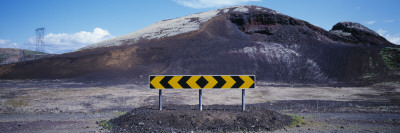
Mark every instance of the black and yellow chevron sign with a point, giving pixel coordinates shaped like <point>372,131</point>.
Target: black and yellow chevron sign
<point>201,81</point>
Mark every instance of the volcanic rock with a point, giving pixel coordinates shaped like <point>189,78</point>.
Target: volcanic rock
<point>214,118</point>
<point>358,34</point>
<point>234,40</point>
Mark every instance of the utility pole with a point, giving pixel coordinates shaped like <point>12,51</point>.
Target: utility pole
<point>39,39</point>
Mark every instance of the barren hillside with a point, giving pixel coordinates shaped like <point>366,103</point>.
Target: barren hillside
<point>233,40</point>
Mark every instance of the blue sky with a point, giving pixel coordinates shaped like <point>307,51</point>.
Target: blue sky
<point>72,24</point>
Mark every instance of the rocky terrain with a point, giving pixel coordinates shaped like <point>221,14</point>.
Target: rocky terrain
<point>71,106</point>
<point>216,118</point>
<point>233,40</point>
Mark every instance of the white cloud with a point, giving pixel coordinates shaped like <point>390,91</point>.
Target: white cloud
<point>389,21</point>
<point>370,22</point>
<point>7,44</point>
<point>210,3</point>
<point>381,32</point>
<point>63,42</point>
<point>391,38</point>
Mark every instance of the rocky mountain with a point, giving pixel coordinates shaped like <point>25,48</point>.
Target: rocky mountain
<point>233,40</point>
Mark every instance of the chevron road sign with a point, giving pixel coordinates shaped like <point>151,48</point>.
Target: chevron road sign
<point>201,82</point>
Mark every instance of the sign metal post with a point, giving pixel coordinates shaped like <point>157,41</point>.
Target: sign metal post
<point>243,101</point>
<point>160,99</point>
<point>200,100</point>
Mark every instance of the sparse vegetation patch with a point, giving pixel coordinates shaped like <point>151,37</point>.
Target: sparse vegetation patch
<point>105,124</point>
<point>391,57</point>
<point>296,120</point>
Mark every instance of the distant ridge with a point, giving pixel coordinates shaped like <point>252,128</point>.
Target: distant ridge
<point>12,55</point>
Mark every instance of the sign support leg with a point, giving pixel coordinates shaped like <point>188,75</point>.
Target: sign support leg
<point>160,99</point>
<point>243,100</point>
<point>200,100</point>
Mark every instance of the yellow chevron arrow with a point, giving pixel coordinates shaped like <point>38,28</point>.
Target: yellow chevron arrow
<point>229,82</point>
<point>192,82</point>
<point>247,82</point>
<point>174,82</point>
<point>211,82</point>
<point>156,82</point>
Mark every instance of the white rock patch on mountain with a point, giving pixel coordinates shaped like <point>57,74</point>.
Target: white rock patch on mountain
<point>169,28</point>
<point>166,28</point>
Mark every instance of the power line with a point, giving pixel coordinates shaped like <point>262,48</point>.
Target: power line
<point>39,39</point>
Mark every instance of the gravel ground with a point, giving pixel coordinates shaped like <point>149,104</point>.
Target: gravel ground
<point>339,116</point>
<point>70,106</point>
<point>346,122</point>
<point>51,123</point>
<point>186,118</point>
